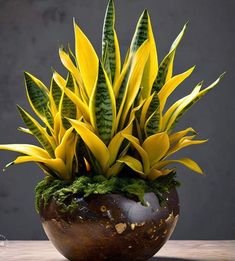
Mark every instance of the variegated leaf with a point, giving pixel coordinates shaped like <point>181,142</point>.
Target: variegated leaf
<point>196,99</point>
<point>141,32</point>
<point>106,62</point>
<point>122,89</point>
<point>26,149</point>
<point>87,59</point>
<point>152,124</point>
<point>189,163</point>
<point>153,106</point>
<point>167,63</point>
<point>37,130</point>
<point>177,107</point>
<point>56,93</point>
<point>110,46</point>
<point>37,94</point>
<point>143,154</point>
<point>133,163</point>
<point>94,143</point>
<point>133,85</point>
<point>102,107</point>
<point>70,82</point>
<point>49,117</point>
<point>68,108</point>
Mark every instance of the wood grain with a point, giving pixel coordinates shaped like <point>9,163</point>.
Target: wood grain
<point>172,251</point>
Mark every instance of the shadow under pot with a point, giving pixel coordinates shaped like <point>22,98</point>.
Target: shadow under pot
<point>111,227</point>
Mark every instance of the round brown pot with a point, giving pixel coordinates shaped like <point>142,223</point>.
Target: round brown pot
<point>111,227</point>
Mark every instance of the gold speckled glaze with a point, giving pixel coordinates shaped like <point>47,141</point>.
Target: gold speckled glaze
<point>111,227</point>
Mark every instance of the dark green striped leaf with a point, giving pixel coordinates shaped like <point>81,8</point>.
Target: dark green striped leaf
<point>70,82</point>
<point>162,72</point>
<point>106,62</point>
<point>56,93</point>
<point>49,116</point>
<point>108,39</point>
<point>196,99</point>
<point>122,89</point>
<point>102,107</point>
<point>153,106</point>
<point>68,108</point>
<point>37,94</point>
<point>152,124</point>
<point>152,116</point>
<point>37,130</point>
<point>167,63</point>
<point>141,32</point>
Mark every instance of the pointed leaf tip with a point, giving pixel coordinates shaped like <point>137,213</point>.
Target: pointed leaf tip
<point>222,75</point>
<point>145,13</point>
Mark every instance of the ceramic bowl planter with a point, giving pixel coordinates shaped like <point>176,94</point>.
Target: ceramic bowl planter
<point>111,227</point>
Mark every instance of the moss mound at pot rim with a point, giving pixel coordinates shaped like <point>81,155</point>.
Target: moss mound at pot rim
<point>84,186</point>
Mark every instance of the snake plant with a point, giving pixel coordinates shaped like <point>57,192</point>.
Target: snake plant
<point>108,117</point>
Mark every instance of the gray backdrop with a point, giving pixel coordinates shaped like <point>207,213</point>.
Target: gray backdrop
<point>31,32</point>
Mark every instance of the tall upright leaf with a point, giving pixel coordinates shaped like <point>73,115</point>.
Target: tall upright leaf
<point>141,32</point>
<point>171,85</point>
<point>87,59</point>
<point>106,61</point>
<point>152,124</point>
<point>37,94</point>
<point>103,108</point>
<point>167,62</point>
<point>110,46</point>
<point>152,116</point>
<point>133,85</point>
<point>70,66</point>
<point>55,92</point>
<point>93,142</point>
<point>151,67</point>
<point>68,108</point>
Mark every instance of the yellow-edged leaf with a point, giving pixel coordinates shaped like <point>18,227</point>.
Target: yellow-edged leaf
<point>61,82</point>
<point>175,110</point>
<point>151,67</point>
<point>133,163</point>
<point>103,107</point>
<point>143,154</point>
<point>189,163</point>
<point>56,165</point>
<point>133,85</point>
<point>37,94</point>
<point>81,106</point>
<point>184,142</point>
<point>86,58</point>
<point>93,142</point>
<point>118,57</point>
<point>116,142</point>
<point>156,146</point>
<point>60,151</point>
<point>175,137</point>
<point>155,173</point>
<point>144,110</point>
<point>69,65</point>
<point>26,149</point>
<point>38,131</point>
<point>115,169</point>
<point>171,85</point>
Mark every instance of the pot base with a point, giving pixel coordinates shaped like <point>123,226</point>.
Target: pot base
<point>111,227</point>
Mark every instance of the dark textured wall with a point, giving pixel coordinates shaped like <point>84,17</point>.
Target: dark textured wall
<point>31,32</point>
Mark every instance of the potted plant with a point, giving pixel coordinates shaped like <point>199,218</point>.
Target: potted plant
<point>106,143</point>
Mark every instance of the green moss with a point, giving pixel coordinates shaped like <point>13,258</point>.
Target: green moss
<point>84,186</point>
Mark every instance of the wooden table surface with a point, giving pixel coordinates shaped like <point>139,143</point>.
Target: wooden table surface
<point>172,251</point>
